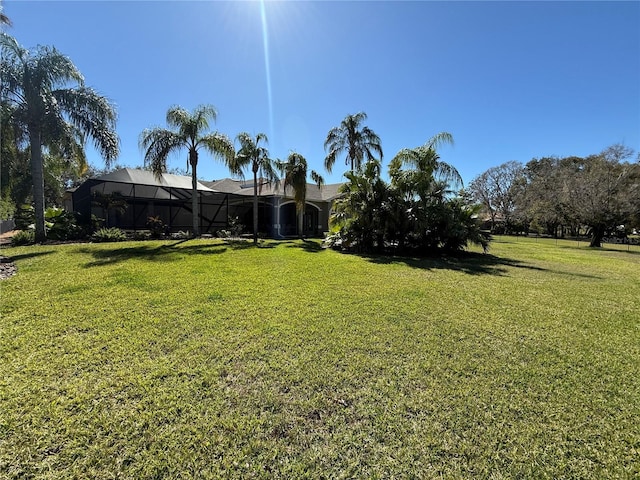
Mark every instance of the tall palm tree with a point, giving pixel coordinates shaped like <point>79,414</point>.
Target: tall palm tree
<point>295,171</point>
<point>358,142</point>
<point>425,168</point>
<point>251,154</point>
<point>189,130</point>
<point>35,93</point>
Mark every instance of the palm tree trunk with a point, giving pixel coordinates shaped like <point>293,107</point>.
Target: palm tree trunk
<point>255,207</point>
<point>300,221</point>
<point>37,175</point>
<point>194,200</point>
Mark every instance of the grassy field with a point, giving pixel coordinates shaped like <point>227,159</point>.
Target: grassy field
<point>199,359</point>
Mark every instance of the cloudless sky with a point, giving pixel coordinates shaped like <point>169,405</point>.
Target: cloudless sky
<point>509,80</point>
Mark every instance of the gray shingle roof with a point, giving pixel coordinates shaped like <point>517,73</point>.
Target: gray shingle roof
<point>245,187</point>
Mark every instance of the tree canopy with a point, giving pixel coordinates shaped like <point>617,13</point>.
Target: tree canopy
<point>599,193</point>
<point>354,140</point>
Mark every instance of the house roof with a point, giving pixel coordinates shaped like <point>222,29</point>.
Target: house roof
<point>145,177</point>
<point>242,187</point>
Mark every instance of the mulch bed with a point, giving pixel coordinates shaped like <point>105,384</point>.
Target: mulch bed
<point>7,268</point>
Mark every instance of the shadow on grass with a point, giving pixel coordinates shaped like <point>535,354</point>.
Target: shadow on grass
<point>311,246</point>
<point>14,258</point>
<point>246,244</point>
<point>621,249</point>
<point>467,262</point>
<point>162,253</point>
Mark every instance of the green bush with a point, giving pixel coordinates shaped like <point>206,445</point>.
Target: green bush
<point>141,235</point>
<point>156,226</point>
<point>62,225</point>
<point>112,234</point>
<point>23,237</point>
<point>7,208</point>
<point>25,217</point>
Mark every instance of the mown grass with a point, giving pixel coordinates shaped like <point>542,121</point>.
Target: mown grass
<point>198,359</point>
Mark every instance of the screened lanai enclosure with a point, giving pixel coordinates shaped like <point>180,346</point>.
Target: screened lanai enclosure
<point>127,198</point>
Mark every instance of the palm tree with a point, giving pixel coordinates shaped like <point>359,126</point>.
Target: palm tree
<point>425,168</point>
<point>295,176</point>
<point>188,131</point>
<point>358,142</point>
<point>35,93</point>
<point>257,157</point>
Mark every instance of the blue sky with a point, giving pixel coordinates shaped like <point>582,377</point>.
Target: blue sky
<point>509,80</point>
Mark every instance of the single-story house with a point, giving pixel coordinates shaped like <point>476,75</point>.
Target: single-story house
<point>169,197</point>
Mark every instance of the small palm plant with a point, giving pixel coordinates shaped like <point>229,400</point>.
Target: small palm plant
<point>294,171</point>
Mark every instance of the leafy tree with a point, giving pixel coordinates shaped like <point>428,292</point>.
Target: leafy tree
<point>496,191</point>
<point>40,104</point>
<point>188,130</point>
<point>295,171</point>
<point>605,191</point>
<point>359,143</point>
<point>539,195</point>
<point>252,154</point>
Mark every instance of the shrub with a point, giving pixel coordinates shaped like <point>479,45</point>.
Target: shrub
<point>7,208</point>
<point>25,217</point>
<point>141,235</point>
<point>112,234</point>
<point>181,235</point>
<point>156,226</point>
<point>24,237</point>
<point>235,227</point>
<point>62,225</point>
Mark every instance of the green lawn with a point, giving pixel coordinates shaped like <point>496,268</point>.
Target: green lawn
<point>198,359</point>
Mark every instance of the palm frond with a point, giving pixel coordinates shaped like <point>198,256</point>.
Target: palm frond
<point>48,67</point>
<point>439,139</point>
<point>219,146</point>
<point>358,142</point>
<point>158,143</point>
<point>177,116</point>
<point>94,115</point>
<point>317,178</point>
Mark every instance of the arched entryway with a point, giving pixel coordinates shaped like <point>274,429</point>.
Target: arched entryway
<point>289,220</point>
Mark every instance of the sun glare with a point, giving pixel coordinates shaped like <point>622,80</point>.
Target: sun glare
<point>267,63</point>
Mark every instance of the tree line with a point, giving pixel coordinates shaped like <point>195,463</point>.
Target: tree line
<point>597,195</point>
